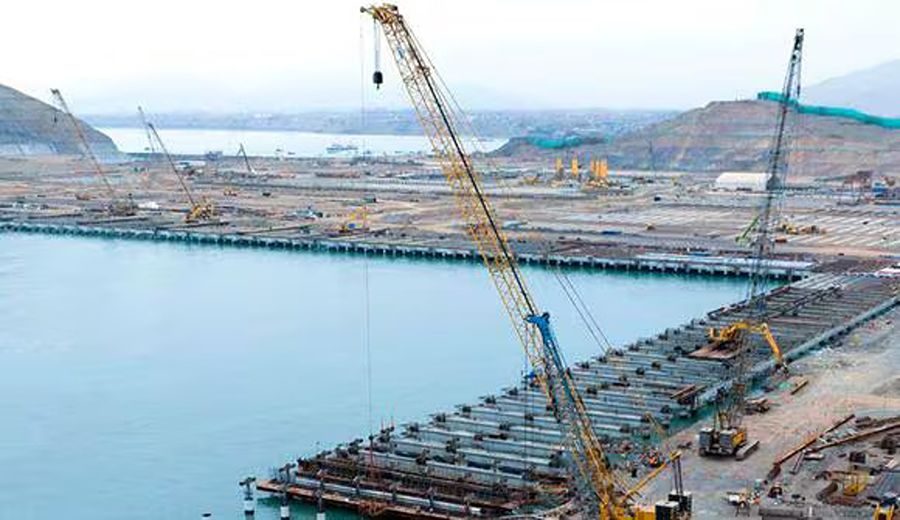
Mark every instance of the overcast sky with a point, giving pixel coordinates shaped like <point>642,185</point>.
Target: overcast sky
<point>299,55</point>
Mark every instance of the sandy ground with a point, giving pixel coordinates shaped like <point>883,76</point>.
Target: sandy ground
<point>407,201</point>
<point>861,376</point>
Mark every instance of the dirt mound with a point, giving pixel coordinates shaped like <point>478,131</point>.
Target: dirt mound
<point>736,136</point>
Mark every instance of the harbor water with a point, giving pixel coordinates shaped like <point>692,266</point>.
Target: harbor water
<point>265,143</point>
<point>143,380</point>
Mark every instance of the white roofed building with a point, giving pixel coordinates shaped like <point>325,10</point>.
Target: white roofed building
<point>741,181</point>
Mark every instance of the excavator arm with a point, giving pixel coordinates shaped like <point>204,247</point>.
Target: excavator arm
<point>731,334</point>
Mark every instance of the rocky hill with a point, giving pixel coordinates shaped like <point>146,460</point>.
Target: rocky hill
<point>30,127</point>
<point>736,136</point>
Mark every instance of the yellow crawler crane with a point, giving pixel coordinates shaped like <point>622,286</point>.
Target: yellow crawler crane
<point>727,436</point>
<point>116,207</point>
<point>599,492</point>
<point>201,210</point>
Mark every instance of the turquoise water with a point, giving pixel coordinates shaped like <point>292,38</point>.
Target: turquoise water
<point>143,380</point>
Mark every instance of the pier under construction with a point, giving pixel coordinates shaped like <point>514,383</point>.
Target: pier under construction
<point>503,454</point>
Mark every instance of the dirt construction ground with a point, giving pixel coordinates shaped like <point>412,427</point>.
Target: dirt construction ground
<point>861,376</point>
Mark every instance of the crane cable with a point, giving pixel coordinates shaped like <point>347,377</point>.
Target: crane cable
<point>583,311</point>
<point>367,343</point>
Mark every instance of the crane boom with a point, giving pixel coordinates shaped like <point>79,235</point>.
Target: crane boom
<point>116,207</point>
<point>243,153</point>
<point>165,151</point>
<point>763,243</point>
<point>597,486</point>
<point>727,436</point>
<point>200,209</point>
<point>82,139</point>
<point>146,125</point>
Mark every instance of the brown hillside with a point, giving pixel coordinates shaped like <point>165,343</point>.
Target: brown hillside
<point>736,136</point>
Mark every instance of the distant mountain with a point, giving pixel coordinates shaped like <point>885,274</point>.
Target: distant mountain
<point>875,90</point>
<point>29,126</point>
<point>487,123</point>
<point>736,136</point>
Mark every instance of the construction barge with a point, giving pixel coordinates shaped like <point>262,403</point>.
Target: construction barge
<point>503,455</point>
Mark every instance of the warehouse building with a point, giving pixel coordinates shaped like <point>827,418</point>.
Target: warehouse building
<point>741,181</point>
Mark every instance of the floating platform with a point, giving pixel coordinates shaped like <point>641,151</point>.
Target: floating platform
<point>503,455</point>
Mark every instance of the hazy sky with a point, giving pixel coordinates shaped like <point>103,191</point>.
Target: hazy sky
<point>304,55</point>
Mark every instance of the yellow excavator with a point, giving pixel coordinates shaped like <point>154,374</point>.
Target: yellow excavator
<point>599,492</point>
<point>790,228</point>
<point>730,334</point>
<point>887,507</point>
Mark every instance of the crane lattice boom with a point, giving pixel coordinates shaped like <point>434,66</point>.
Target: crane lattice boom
<point>116,207</point>
<point>598,487</point>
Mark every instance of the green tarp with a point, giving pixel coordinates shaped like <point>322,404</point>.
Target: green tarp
<point>554,143</point>
<point>847,113</point>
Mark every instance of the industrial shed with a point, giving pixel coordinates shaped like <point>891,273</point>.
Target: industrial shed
<point>741,181</point>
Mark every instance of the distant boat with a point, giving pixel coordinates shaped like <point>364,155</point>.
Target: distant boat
<point>338,148</point>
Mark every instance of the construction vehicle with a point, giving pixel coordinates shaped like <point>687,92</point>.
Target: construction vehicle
<point>201,210</point>
<point>116,206</point>
<point>151,146</point>
<point>531,180</point>
<point>599,174</point>
<point>243,154</point>
<point>727,436</point>
<point>887,507</point>
<point>230,190</point>
<point>598,491</point>
<point>730,335</point>
<point>790,228</point>
<point>356,222</point>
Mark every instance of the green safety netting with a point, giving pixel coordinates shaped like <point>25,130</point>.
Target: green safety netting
<point>554,143</point>
<point>847,113</point>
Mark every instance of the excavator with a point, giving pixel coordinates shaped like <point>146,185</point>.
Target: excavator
<point>230,190</point>
<point>201,210</point>
<point>730,334</point>
<point>116,206</point>
<point>598,491</point>
<point>727,436</point>
<point>887,507</point>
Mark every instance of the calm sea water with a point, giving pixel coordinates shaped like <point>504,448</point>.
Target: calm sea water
<point>268,143</point>
<point>143,380</point>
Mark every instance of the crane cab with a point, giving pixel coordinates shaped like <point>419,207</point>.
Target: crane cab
<point>677,507</point>
<point>724,442</point>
